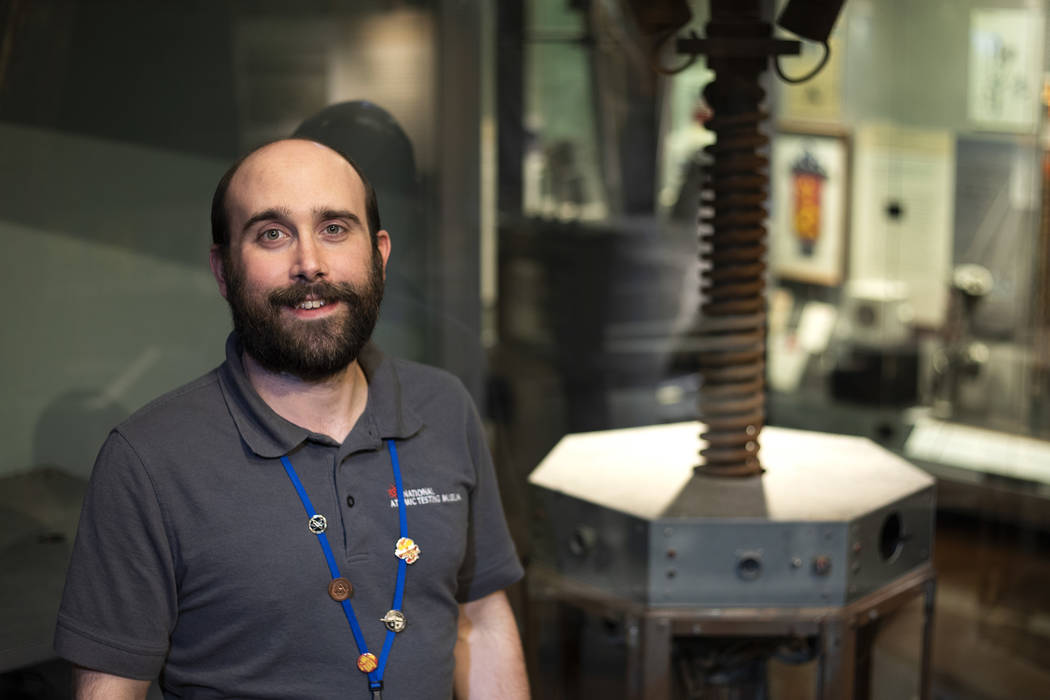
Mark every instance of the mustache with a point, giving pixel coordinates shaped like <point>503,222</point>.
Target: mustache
<point>327,292</point>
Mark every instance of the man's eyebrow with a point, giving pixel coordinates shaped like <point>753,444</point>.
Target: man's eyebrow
<point>268,214</point>
<point>338,214</point>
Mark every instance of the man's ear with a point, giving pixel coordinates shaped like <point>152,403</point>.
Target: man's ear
<point>383,243</point>
<point>218,268</point>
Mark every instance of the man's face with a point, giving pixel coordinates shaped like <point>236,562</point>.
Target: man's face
<point>301,275</point>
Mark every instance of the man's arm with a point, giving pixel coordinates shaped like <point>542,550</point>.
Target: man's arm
<point>489,659</point>
<point>95,685</point>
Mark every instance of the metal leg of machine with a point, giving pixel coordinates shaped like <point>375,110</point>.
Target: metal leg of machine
<point>843,669</point>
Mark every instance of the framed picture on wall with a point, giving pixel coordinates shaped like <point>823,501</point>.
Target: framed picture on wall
<point>809,175</point>
<point>903,210</point>
<point>1005,73</point>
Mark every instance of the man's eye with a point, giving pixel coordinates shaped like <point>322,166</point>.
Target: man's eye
<point>271,234</point>
<point>333,229</point>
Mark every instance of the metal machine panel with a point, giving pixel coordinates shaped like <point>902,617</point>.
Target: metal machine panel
<point>723,562</point>
<point>832,518</point>
<point>890,541</point>
<point>597,546</point>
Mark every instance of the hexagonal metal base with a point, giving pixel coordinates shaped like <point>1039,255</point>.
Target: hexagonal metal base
<point>832,518</point>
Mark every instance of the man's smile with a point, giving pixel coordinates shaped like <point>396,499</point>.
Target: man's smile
<point>313,308</point>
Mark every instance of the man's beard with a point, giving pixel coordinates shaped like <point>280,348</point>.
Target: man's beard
<point>310,350</point>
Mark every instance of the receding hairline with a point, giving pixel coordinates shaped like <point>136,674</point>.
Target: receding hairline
<point>257,152</point>
<point>220,199</point>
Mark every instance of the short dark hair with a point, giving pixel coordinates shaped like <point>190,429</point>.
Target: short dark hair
<point>220,223</point>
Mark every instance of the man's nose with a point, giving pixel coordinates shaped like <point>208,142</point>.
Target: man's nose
<point>309,261</point>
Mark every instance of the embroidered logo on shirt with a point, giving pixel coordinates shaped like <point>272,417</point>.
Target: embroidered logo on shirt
<point>423,496</point>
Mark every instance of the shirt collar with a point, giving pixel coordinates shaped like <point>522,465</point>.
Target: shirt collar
<point>269,435</point>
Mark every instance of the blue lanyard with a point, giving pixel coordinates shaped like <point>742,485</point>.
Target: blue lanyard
<point>375,678</point>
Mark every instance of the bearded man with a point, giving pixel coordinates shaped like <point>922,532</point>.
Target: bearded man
<point>312,519</point>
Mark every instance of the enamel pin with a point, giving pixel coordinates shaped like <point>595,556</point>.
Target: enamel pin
<point>394,620</point>
<point>318,524</point>
<point>407,549</point>
<point>367,662</point>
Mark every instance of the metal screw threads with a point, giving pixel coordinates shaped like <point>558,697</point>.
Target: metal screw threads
<point>732,235</point>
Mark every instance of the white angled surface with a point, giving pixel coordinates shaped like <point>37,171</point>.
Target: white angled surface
<point>648,472</point>
<point>980,450</point>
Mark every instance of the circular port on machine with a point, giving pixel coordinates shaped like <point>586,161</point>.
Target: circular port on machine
<point>749,566</point>
<point>891,538</point>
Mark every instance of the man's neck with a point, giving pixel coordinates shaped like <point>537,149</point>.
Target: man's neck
<point>330,407</point>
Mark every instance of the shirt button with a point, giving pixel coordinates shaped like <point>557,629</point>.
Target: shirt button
<point>350,500</point>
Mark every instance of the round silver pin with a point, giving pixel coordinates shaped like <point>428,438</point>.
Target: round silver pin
<point>394,620</point>
<point>318,524</point>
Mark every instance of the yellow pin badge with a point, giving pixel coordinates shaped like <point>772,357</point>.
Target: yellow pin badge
<point>367,662</point>
<point>406,549</point>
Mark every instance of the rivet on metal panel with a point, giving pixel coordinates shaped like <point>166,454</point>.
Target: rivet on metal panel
<point>697,629</point>
<point>856,567</point>
<point>668,531</point>
<point>828,535</point>
<point>796,562</point>
<point>671,573</point>
<point>671,553</point>
<point>873,615</point>
<point>857,546</point>
<point>822,565</point>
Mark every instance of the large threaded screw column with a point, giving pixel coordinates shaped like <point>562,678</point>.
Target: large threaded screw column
<point>732,235</point>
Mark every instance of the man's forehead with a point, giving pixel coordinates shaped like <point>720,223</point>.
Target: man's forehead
<point>294,167</point>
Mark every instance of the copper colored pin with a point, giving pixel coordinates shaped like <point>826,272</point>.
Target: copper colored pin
<point>367,662</point>
<point>340,589</point>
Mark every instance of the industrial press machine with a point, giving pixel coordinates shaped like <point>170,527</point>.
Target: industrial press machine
<point>715,563</point>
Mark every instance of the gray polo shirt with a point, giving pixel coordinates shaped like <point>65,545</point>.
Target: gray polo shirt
<point>194,560</point>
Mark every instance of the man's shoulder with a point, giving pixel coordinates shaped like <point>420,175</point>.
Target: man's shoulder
<point>198,401</point>
<point>415,391</point>
<point>425,377</point>
<point>425,384</point>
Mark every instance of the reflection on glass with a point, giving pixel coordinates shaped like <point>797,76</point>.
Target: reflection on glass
<point>923,327</point>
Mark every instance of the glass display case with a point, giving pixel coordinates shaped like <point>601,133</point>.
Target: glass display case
<point>906,277</point>
<point>540,166</point>
<point>117,120</point>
